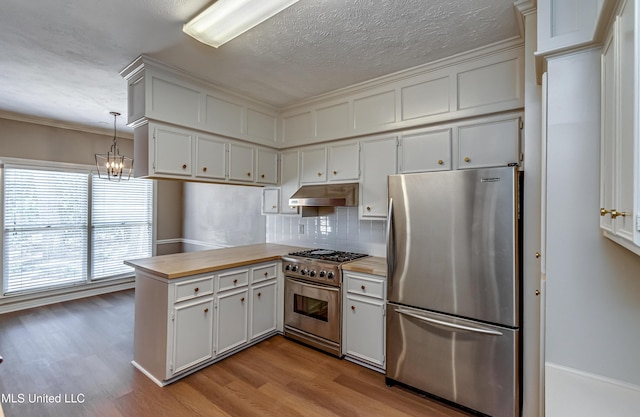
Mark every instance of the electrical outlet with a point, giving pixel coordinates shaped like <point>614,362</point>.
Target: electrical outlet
<point>301,229</point>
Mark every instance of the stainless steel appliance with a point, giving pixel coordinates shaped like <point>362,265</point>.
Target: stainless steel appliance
<point>313,297</point>
<point>453,311</point>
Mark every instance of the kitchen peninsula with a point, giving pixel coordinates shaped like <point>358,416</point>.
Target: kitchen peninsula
<point>192,309</point>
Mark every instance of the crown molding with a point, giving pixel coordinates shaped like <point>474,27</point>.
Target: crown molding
<point>61,125</point>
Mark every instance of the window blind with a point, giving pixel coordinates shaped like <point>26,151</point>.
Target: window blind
<point>121,220</point>
<point>45,228</point>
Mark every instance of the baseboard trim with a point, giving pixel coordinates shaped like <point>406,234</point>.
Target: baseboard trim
<point>69,294</point>
<point>572,392</point>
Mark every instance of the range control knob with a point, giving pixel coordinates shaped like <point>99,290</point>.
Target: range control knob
<point>294,268</point>
<point>323,274</point>
<point>304,271</point>
<point>331,275</point>
<point>312,273</point>
<point>287,267</point>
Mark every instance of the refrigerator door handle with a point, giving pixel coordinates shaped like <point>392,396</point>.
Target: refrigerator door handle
<point>445,324</point>
<point>390,243</point>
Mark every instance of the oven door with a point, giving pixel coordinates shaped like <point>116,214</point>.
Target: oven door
<point>312,308</point>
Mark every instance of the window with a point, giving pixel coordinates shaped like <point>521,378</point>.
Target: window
<point>65,227</point>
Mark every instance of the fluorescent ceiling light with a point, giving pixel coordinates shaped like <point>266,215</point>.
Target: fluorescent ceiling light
<point>226,19</point>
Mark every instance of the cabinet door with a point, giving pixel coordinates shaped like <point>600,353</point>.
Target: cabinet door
<point>425,151</point>
<point>241,160</point>
<point>608,139</point>
<point>263,309</point>
<point>211,158</point>
<point>172,151</point>
<point>488,143</point>
<point>378,162</point>
<point>192,334</point>
<point>231,321</point>
<point>267,166</point>
<point>365,329</point>
<point>344,162</point>
<point>270,200</point>
<point>288,180</point>
<point>313,163</point>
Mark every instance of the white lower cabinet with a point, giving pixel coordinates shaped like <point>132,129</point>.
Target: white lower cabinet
<point>193,333</point>
<point>231,320</point>
<point>364,320</point>
<point>184,324</point>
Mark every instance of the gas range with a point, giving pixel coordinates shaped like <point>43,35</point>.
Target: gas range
<point>318,265</point>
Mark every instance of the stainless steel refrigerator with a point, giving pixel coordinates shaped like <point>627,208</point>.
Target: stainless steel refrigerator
<point>453,311</point>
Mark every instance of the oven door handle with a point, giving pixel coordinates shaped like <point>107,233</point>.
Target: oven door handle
<point>317,287</point>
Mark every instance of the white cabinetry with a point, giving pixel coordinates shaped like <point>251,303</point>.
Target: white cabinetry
<point>488,142</point>
<point>339,162</point>
<point>425,150</point>
<point>620,160</point>
<point>289,162</point>
<point>378,162</point>
<point>266,166</point>
<point>241,161</point>
<point>270,200</point>
<point>364,319</point>
<point>211,158</point>
<point>172,151</point>
<point>313,165</point>
<point>184,324</point>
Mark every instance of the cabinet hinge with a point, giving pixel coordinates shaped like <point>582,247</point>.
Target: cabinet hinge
<point>521,124</point>
<point>170,366</point>
<point>215,303</point>
<point>172,315</point>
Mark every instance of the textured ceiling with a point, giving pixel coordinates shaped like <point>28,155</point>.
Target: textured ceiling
<point>61,59</point>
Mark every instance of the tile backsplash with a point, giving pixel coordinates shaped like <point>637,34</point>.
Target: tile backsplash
<point>341,230</point>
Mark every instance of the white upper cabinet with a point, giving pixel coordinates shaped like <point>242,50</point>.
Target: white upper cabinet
<point>344,162</point>
<point>289,162</point>
<point>171,151</point>
<point>313,165</point>
<point>211,158</point>
<point>620,106</point>
<point>425,150</point>
<point>378,162</point>
<point>487,142</point>
<point>266,166</point>
<point>241,162</point>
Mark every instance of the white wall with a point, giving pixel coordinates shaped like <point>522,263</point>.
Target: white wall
<point>218,215</point>
<point>593,285</point>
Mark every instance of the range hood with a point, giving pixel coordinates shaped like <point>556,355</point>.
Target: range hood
<point>316,200</point>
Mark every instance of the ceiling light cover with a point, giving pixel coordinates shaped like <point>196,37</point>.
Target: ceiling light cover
<point>112,166</point>
<point>226,19</point>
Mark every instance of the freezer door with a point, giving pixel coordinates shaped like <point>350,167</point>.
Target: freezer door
<point>469,363</point>
<point>453,243</point>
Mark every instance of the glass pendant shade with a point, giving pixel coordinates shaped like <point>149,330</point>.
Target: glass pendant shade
<point>112,166</point>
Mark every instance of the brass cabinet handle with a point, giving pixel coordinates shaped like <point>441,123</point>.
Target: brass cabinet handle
<point>196,289</point>
<point>615,213</point>
<point>235,281</point>
<point>362,286</point>
<point>538,255</point>
<point>184,166</point>
<point>266,274</point>
<point>242,300</point>
<point>319,174</point>
<point>353,308</point>
<point>368,208</point>
<point>204,169</point>
<point>467,159</point>
<point>335,172</point>
<point>206,310</point>
<point>604,212</point>
<point>248,174</point>
<point>259,294</point>
<point>440,162</point>
<point>273,207</point>
<point>262,176</point>
<point>537,292</point>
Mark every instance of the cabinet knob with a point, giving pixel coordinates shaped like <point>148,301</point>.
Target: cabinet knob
<point>615,213</point>
<point>538,255</point>
<point>467,159</point>
<point>335,172</point>
<point>261,175</point>
<point>196,289</point>
<point>273,207</point>
<point>266,274</point>
<point>537,292</point>
<point>204,169</point>
<point>206,310</point>
<point>440,162</point>
<point>353,308</point>
<point>604,211</point>
<point>235,281</point>
<point>242,300</point>
<point>368,208</point>
<point>184,166</point>
<point>259,294</point>
<point>248,174</point>
<point>319,174</point>
<point>362,286</point>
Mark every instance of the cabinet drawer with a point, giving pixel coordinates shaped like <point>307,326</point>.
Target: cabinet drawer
<point>264,272</point>
<point>233,279</point>
<point>371,287</point>
<point>193,288</point>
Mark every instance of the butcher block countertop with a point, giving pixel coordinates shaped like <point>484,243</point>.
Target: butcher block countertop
<point>373,265</point>
<point>180,265</point>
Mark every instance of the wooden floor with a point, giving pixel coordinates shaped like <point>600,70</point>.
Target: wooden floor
<point>73,359</point>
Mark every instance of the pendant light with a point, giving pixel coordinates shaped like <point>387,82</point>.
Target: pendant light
<point>112,166</point>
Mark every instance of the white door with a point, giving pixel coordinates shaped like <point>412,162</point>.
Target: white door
<point>267,166</point>
<point>231,321</point>
<point>211,157</point>
<point>241,159</point>
<point>172,151</point>
<point>192,334</point>
<point>263,309</point>
<point>378,162</point>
